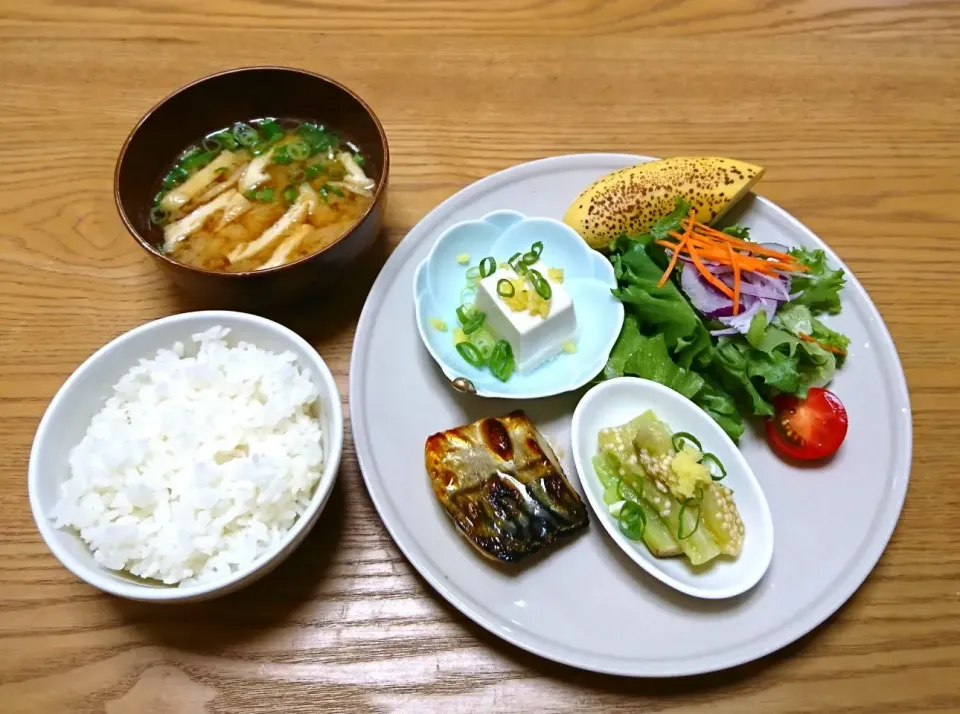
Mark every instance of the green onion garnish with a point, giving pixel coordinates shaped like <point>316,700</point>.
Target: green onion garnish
<point>529,258</point>
<point>505,288</point>
<point>465,314</point>
<point>270,129</point>
<point>474,324</point>
<point>190,152</point>
<point>632,521</point>
<point>282,156</point>
<point>226,139</point>
<point>245,134</point>
<point>334,190</point>
<point>537,248</point>
<point>473,273</point>
<point>683,507</point>
<point>174,177</point>
<point>158,215</point>
<point>714,460</point>
<point>516,262</point>
<point>290,194</point>
<point>314,170</point>
<point>264,195</point>
<point>211,143</point>
<point>678,439</point>
<point>298,150</point>
<point>470,353</point>
<point>484,342</point>
<point>317,138</point>
<point>197,161</point>
<point>487,266</point>
<point>501,360</point>
<point>359,159</point>
<point>540,285</point>
<point>468,295</point>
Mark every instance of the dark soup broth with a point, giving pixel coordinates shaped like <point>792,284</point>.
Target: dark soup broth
<point>260,194</point>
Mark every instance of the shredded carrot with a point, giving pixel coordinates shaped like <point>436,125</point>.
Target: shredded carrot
<point>824,345</point>
<point>701,242</point>
<point>756,265</point>
<point>753,247</point>
<point>719,239</point>
<point>710,277</point>
<point>736,279</point>
<point>680,247</point>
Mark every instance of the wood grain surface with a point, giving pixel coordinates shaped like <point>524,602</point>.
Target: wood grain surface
<point>854,108</point>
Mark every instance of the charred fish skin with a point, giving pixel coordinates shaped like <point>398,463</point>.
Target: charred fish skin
<point>503,487</point>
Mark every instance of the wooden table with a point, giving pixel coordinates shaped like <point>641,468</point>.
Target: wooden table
<point>854,108</point>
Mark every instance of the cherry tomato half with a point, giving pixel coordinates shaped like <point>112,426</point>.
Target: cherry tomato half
<point>806,429</point>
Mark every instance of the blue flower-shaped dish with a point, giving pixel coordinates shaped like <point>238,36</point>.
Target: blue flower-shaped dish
<point>588,278</point>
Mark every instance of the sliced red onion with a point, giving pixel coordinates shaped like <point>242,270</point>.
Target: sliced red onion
<point>741,322</point>
<point>706,298</point>
<point>763,286</point>
<point>770,307</point>
<point>725,331</point>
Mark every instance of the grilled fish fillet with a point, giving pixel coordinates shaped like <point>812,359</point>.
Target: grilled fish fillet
<point>503,486</point>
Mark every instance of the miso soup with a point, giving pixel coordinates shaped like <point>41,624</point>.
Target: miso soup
<point>260,194</point>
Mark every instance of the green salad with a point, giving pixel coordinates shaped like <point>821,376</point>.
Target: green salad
<point>730,333</point>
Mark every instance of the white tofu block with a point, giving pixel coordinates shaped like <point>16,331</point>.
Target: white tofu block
<point>533,338</point>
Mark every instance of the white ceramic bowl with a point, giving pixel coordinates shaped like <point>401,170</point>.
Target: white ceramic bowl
<point>618,401</point>
<point>84,393</point>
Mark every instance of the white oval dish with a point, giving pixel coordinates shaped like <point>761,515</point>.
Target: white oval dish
<point>584,603</point>
<point>618,401</point>
<point>83,394</point>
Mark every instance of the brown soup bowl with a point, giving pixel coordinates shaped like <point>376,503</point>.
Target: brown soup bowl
<point>220,100</point>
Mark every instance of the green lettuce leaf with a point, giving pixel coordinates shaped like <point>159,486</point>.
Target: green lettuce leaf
<point>738,231</point>
<point>731,366</point>
<point>819,286</point>
<point>627,343</point>
<point>758,329</point>
<point>661,310</point>
<point>795,318</point>
<point>721,406</point>
<point>825,335</point>
<point>671,222</point>
<point>651,361</point>
<point>776,339</point>
<point>815,365</point>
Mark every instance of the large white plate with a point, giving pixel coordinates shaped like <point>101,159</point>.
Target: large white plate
<point>585,603</point>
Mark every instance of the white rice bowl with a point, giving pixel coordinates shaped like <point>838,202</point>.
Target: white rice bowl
<point>195,466</point>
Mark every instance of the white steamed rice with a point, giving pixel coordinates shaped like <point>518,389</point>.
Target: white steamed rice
<point>196,465</point>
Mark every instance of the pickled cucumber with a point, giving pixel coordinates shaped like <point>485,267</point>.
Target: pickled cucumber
<point>650,433</point>
<point>685,511</point>
<point>720,515</point>
<point>696,542</point>
<point>656,535</point>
